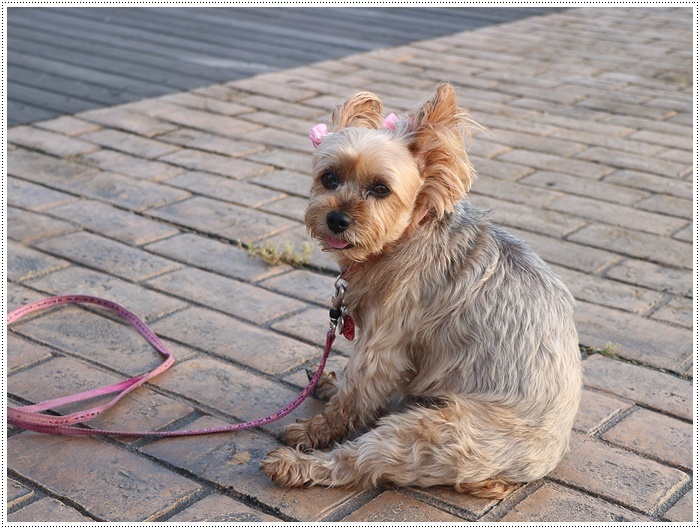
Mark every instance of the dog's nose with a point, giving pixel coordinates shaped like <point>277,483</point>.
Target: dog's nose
<point>338,221</point>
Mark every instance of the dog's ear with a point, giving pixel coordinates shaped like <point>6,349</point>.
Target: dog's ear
<point>438,132</point>
<point>361,110</point>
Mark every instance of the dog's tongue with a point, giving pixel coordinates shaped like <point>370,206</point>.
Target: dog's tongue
<point>337,243</point>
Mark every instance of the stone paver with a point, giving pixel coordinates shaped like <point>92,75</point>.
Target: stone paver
<point>155,204</point>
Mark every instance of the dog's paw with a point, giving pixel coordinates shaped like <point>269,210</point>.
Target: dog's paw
<point>327,385</point>
<point>283,466</point>
<point>308,434</point>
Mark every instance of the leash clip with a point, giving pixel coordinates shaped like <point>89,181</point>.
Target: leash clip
<point>338,312</point>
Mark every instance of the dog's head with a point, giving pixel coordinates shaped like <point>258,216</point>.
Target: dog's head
<point>376,177</point>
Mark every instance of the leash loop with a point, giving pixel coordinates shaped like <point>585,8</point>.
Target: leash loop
<point>31,418</point>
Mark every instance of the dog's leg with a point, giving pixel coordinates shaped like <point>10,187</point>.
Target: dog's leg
<point>421,447</point>
<point>328,384</point>
<point>370,377</point>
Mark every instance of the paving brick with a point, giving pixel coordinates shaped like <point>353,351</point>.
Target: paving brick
<point>227,295</point>
<point>633,243</point>
<point>532,142</point>
<point>514,192</point>
<point>658,277</point>
<point>678,311</point>
<point>111,222</point>
<point>233,222</point>
<point>482,148</point>
<point>652,434</point>
<point>126,192</point>
<point>395,506</point>
<point>287,181</point>
<point>129,143</point>
<point>529,218</point>
<point>108,256</point>
<point>277,121</point>
<point>597,408</point>
<point>335,364</point>
<point>44,169</point>
<point>201,101</point>
<point>303,284</point>
<point>590,127</point>
<point>667,140</point>
<point>233,461</point>
<point>279,89</point>
<point>583,187</point>
<point>209,122</point>
<point>236,168</point>
<point>108,482</point>
<point>228,338</point>
<point>68,125</point>
<point>682,511</point>
<point>47,510</point>
<point>17,296</point>
<point>226,189</point>
<point>17,493</point>
<point>632,162</point>
<point>147,304</point>
<point>653,183</point>
<point>279,107</point>
<point>466,505</point>
<point>685,234</point>
<point>653,389</point>
<point>609,293</point>
<point>673,206</point>
<point>497,168</point>
<point>31,196</point>
<point>204,141</point>
<point>283,159</point>
<point>224,259</point>
<point>617,215</point>
<point>77,332</point>
<point>617,475</point>
<point>553,503</point>
<point>125,118</point>
<point>234,391</point>
<point>297,141</point>
<point>549,162</point>
<point>290,207</point>
<point>637,338</point>
<point>24,263</point>
<point>678,156</point>
<point>132,166</point>
<point>221,509</point>
<point>609,142</point>
<point>49,142</point>
<point>28,227</point>
<point>615,107</point>
<point>22,353</point>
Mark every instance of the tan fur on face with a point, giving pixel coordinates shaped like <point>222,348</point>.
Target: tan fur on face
<point>456,317</point>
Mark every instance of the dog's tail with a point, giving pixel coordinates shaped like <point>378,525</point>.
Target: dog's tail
<point>492,489</point>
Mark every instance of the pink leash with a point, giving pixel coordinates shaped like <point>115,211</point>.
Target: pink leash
<point>30,418</point>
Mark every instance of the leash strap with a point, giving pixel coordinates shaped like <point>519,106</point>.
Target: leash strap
<point>31,418</point>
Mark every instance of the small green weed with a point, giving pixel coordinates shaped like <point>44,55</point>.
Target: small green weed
<point>273,254</point>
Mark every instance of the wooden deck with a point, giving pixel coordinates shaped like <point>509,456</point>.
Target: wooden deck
<point>66,60</point>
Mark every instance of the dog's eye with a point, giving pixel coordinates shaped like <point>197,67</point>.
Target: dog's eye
<point>380,190</point>
<point>330,180</point>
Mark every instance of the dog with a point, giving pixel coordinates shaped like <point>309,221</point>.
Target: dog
<point>457,318</point>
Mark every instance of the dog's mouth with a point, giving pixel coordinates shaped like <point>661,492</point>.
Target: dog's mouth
<point>338,244</point>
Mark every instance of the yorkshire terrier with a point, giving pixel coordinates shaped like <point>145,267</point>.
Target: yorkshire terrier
<point>456,317</point>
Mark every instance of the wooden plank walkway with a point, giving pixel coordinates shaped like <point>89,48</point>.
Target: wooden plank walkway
<point>66,60</point>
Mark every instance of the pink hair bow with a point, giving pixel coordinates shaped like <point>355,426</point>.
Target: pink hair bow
<point>317,133</point>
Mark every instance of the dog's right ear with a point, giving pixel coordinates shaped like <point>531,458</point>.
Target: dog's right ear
<point>361,110</point>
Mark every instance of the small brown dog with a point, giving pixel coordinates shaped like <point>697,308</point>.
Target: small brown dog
<point>457,317</point>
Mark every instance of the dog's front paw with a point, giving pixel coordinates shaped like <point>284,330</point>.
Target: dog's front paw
<point>327,385</point>
<point>283,466</point>
<point>307,434</point>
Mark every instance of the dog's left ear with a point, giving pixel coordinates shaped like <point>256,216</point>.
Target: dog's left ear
<point>437,137</point>
<point>361,110</point>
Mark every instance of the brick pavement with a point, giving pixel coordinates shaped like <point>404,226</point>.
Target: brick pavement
<point>589,159</point>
